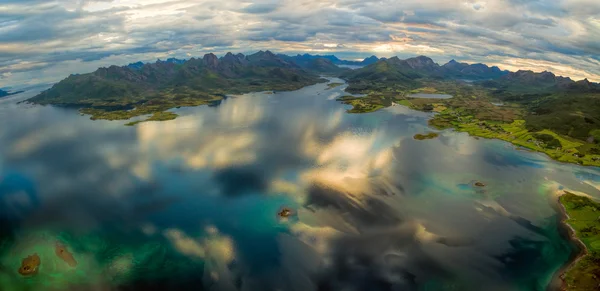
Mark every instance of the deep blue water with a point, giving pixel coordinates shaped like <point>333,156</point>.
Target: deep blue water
<point>192,203</point>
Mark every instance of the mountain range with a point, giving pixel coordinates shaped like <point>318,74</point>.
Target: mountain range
<point>264,70</point>
<point>306,58</point>
<point>406,74</point>
<point>196,77</point>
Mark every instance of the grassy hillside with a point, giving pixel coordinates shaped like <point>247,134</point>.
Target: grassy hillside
<point>585,221</point>
<point>538,111</point>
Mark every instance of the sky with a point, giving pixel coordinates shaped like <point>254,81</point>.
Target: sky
<point>43,41</point>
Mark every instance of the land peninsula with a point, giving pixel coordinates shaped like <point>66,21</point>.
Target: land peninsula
<point>537,111</point>
<point>582,215</point>
<point>120,93</point>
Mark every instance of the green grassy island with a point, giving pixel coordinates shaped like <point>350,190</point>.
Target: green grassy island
<point>583,218</point>
<point>360,104</point>
<point>157,116</point>
<point>334,85</point>
<point>429,135</point>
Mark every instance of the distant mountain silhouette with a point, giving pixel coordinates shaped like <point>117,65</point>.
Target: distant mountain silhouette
<point>136,81</point>
<point>406,73</point>
<point>6,93</point>
<point>305,58</point>
<point>236,71</point>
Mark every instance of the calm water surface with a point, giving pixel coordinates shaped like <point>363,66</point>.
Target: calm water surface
<point>191,204</point>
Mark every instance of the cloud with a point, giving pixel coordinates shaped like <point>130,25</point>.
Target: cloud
<point>60,33</point>
<point>260,8</point>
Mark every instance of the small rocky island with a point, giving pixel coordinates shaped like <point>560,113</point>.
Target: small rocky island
<point>64,254</point>
<point>479,184</point>
<point>30,265</point>
<point>582,216</point>
<point>429,135</point>
<point>285,212</point>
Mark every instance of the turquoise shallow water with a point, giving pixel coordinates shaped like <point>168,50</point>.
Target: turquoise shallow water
<point>191,204</point>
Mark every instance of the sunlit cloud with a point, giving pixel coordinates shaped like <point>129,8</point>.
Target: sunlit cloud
<point>45,41</point>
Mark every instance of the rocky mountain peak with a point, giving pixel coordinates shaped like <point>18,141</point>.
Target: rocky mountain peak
<point>421,62</point>
<point>210,60</point>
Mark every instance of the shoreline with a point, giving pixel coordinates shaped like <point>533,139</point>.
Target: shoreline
<point>519,147</point>
<point>104,110</point>
<point>558,281</point>
<point>457,128</point>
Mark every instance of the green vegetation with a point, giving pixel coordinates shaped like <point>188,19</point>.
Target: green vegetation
<point>576,115</point>
<point>364,104</point>
<point>429,135</point>
<point>540,111</point>
<point>548,141</point>
<point>333,85</point>
<point>471,111</point>
<point>584,219</point>
<point>426,90</point>
<point>120,93</point>
<point>157,116</point>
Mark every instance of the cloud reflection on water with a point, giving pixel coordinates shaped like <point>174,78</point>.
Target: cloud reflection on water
<point>375,208</point>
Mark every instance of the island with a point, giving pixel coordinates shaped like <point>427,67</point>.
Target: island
<point>157,116</point>
<point>64,254</point>
<point>479,184</point>
<point>360,104</point>
<point>334,85</point>
<point>285,212</point>
<point>582,216</point>
<point>29,265</point>
<point>429,135</point>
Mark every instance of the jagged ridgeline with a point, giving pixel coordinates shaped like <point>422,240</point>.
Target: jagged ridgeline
<point>420,71</point>
<point>120,93</point>
<point>194,79</point>
<point>409,74</point>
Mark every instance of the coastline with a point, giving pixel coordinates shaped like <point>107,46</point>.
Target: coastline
<point>105,110</point>
<point>439,122</point>
<point>558,280</point>
<point>524,148</point>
